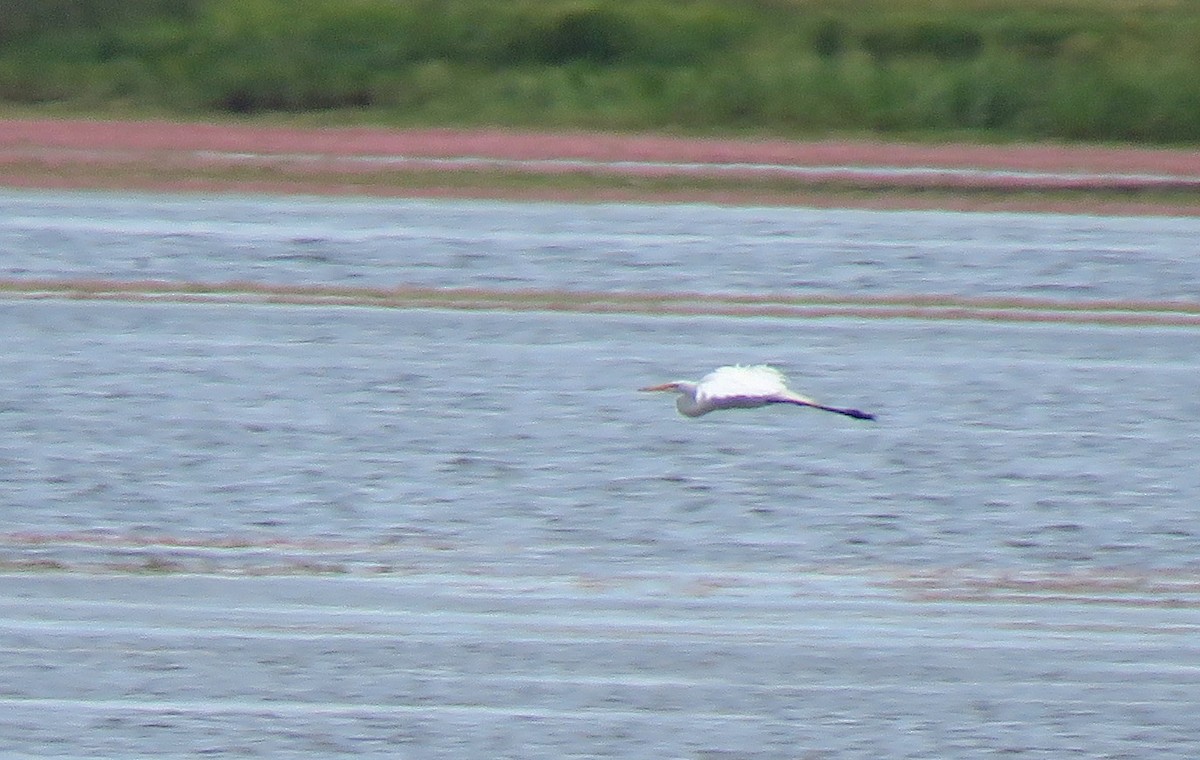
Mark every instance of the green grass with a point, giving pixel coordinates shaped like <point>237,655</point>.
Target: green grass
<point>1100,70</point>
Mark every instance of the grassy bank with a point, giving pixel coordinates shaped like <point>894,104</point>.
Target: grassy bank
<point>1064,69</point>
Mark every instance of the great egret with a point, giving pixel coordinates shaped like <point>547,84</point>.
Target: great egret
<point>741,388</point>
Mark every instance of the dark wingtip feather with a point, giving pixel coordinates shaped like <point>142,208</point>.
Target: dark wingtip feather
<point>858,414</point>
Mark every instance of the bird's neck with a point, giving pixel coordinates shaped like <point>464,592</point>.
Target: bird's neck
<point>686,401</point>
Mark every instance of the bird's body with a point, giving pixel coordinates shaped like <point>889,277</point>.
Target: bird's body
<point>739,387</point>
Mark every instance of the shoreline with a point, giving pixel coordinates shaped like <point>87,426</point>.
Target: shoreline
<point>489,164</point>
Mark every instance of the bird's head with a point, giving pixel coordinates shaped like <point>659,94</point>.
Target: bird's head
<point>683,387</point>
<point>686,401</point>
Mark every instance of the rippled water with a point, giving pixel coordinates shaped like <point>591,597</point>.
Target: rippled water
<point>1001,445</point>
<point>599,247</point>
<point>531,559</point>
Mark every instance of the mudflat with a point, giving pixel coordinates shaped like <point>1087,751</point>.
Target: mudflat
<point>216,157</point>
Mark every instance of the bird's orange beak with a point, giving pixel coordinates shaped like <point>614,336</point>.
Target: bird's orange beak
<point>663,387</point>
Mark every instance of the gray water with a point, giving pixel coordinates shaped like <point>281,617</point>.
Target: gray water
<point>243,530</point>
<point>606,247</point>
<point>997,445</point>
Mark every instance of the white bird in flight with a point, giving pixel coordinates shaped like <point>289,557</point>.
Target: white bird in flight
<point>742,387</point>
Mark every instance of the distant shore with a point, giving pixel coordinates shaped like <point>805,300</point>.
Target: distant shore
<point>230,157</point>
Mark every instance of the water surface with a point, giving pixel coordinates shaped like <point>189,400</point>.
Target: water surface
<point>997,445</point>
<point>284,531</point>
<point>602,247</point>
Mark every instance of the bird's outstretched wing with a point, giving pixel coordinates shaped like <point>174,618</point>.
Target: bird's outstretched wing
<point>739,383</point>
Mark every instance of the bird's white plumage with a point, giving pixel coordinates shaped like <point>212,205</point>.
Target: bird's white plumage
<point>754,383</point>
<point>741,387</point>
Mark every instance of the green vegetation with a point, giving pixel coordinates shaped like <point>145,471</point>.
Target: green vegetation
<point>998,69</point>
